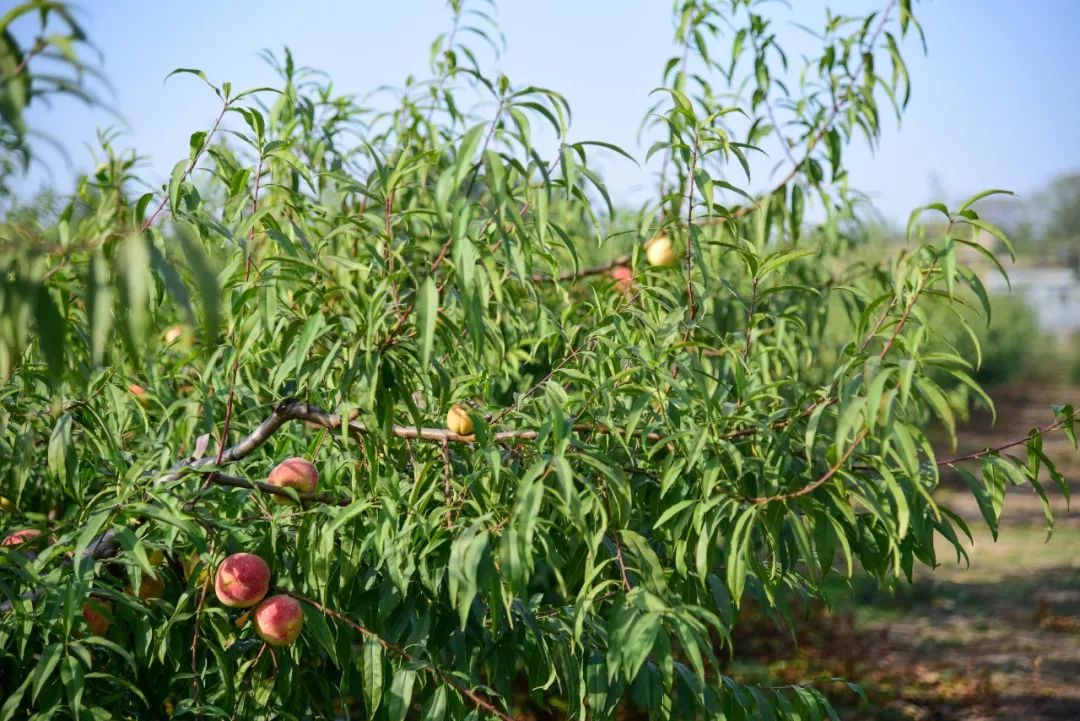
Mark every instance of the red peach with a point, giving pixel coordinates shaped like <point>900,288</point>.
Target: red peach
<point>20,537</point>
<point>98,615</point>
<point>242,580</point>
<point>623,277</point>
<point>278,620</point>
<point>298,473</point>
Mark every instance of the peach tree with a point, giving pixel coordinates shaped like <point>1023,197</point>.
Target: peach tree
<point>382,408</point>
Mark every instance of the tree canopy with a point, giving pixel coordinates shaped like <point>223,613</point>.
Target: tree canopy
<point>660,414</point>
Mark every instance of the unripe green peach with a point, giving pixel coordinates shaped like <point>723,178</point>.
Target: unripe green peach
<point>278,620</point>
<point>242,580</point>
<point>298,473</point>
<point>98,615</point>
<point>458,421</point>
<point>658,251</point>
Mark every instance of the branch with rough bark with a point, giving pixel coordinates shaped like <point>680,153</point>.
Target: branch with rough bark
<point>105,545</point>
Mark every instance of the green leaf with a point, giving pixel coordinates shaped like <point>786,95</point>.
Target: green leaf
<point>638,642</point>
<point>435,708</point>
<point>137,284</point>
<point>98,307</point>
<point>206,281</point>
<point>71,676</point>
<point>371,673</point>
<point>737,549</point>
<point>466,150</point>
<point>979,196</point>
<point>179,172</point>
<point>427,310</point>
<point>62,458</point>
<point>45,666</point>
<point>465,556</point>
<point>50,333</point>
<point>401,690</point>
<point>649,566</point>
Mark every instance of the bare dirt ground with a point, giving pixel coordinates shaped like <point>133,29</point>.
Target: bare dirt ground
<point>997,640</point>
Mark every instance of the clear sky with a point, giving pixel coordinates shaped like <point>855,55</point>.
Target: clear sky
<point>996,101</point>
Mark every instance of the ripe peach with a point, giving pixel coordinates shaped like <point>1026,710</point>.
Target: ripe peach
<point>278,620</point>
<point>98,615</point>
<point>242,580</point>
<point>173,334</point>
<point>659,251</point>
<point>623,277</point>
<point>139,392</point>
<point>20,537</point>
<point>458,421</point>
<point>298,473</point>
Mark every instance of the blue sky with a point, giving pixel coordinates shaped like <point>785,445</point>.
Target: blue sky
<point>996,100</point>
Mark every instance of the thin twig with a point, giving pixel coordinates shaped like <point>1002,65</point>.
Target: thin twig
<point>480,702</point>
<point>823,479</point>
<point>447,487</point>
<point>992,451</point>
<point>620,561</point>
<point>908,308</point>
<point>797,166</point>
<point>236,346</point>
<point>691,303</point>
<point>558,367</point>
<point>39,45</point>
<point>295,410</point>
<point>195,678</point>
<point>191,166</point>
<point>583,272</point>
<point>838,106</point>
<point>750,319</point>
<point>220,479</point>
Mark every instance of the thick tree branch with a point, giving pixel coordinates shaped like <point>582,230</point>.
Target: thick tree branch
<point>295,410</point>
